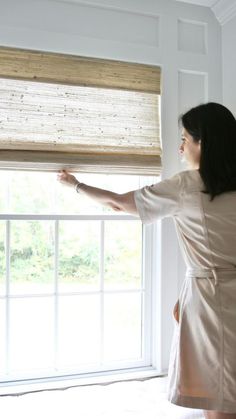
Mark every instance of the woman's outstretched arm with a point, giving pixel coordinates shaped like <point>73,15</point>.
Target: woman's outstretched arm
<point>118,202</point>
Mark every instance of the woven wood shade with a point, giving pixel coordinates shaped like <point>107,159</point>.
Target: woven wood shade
<point>85,114</point>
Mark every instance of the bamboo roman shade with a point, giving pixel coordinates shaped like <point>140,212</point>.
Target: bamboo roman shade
<point>62,111</point>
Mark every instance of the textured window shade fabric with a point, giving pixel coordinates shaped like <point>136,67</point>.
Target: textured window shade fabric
<point>100,118</point>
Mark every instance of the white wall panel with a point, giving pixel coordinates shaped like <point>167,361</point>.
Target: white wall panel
<point>192,37</point>
<point>229,64</point>
<point>84,20</point>
<point>192,89</point>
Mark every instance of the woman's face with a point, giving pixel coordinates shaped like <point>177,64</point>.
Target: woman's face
<point>190,150</point>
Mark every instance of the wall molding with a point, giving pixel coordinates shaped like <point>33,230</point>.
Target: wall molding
<point>224,10</point>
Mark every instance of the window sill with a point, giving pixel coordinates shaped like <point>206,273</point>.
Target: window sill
<point>82,380</point>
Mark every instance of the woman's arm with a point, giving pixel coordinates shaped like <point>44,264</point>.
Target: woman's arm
<point>118,202</point>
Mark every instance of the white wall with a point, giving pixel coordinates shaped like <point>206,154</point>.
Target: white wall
<point>229,64</point>
<point>185,40</point>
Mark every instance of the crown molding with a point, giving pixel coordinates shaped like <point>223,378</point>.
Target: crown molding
<point>205,3</point>
<point>224,10</point>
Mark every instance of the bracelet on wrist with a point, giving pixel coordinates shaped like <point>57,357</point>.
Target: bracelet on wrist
<point>77,187</point>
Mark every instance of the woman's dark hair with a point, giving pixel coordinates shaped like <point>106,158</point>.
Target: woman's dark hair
<point>215,126</point>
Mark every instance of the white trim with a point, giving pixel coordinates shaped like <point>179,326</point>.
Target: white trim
<point>224,10</point>
<point>102,290</point>
<point>146,295</point>
<point>73,373</point>
<point>72,293</point>
<point>156,299</point>
<point>57,217</point>
<point>86,379</point>
<point>56,260</point>
<point>205,3</point>
<point>128,8</point>
<point>7,344</point>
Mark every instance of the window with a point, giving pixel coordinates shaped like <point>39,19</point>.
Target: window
<point>73,292</point>
<point>75,288</point>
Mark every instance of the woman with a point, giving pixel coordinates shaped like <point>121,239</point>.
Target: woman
<point>202,203</point>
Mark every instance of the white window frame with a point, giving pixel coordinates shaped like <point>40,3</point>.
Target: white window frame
<point>151,364</point>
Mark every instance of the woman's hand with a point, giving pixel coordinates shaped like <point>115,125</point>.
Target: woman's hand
<point>67,179</point>
<point>176,311</point>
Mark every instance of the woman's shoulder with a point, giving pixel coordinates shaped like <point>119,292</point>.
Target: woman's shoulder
<point>180,182</point>
<point>191,180</point>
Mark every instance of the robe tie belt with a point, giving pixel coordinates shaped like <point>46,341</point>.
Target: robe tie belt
<point>216,272</point>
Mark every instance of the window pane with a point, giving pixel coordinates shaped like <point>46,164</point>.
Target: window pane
<point>31,334</point>
<point>4,191</point>
<point>31,192</point>
<point>32,257</point>
<point>123,323</point>
<point>2,257</point>
<point>123,251</point>
<point>79,330</point>
<point>40,193</point>
<point>78,255</point>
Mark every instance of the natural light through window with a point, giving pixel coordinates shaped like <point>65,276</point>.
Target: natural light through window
<point>73,293</point>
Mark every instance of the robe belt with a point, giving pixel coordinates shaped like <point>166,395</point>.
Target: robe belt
<point>215,272</point>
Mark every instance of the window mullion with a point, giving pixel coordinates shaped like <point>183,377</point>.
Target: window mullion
<point>147,319</point>
<point>56,321</point>
<point>8,256</point>
<point>101,287</point>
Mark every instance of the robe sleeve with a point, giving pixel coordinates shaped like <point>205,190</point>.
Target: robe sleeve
<point>163,199</point>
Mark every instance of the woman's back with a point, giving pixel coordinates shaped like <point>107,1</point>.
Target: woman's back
<point>206,229</point>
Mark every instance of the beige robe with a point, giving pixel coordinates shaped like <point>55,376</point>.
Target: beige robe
<point>202,366</point>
